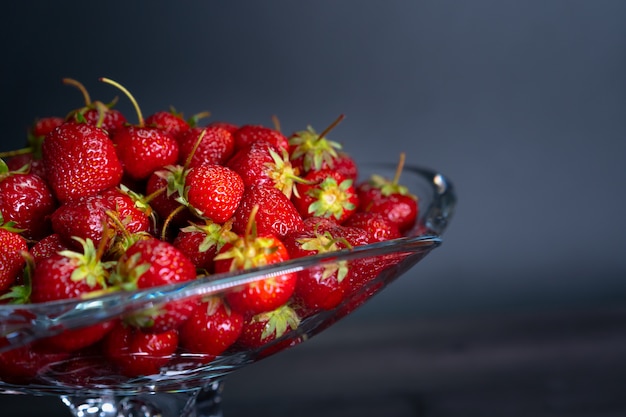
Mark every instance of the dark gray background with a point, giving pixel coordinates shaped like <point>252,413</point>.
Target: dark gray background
<point>520,103</point>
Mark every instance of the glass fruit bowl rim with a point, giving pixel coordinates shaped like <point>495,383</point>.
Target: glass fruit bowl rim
<point>23,324</point>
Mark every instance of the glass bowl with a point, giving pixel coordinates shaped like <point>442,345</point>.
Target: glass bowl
<point>190,384</point>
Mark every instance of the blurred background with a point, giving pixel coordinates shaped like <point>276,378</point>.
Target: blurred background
<point>520,103</point>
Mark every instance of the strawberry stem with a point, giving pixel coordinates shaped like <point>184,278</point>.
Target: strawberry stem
<point>332,125</point>
<point>193,151</point>
<point>169,219</point>
<point>276,122</point>
<point>16,152</point>
<point>130,97</point>
<point>81,88</point>
<point>399,168</point>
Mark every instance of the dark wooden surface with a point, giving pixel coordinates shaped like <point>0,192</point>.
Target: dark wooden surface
<point>540,364</point>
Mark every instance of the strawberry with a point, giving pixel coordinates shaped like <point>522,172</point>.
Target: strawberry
<point>80,160</point>
<point>264,328</point>
<point>143,150</point>
<point>216,146</point>
<point>276,213</point>
<point>169,121</point>
<point>326,193</point>
<point>89,216</point>
<point>69,274</point>
<point>248,134</point>
<point>263,163</point>
<point>27,201</point>
<point>379,227</point>
<point>12,262</point>
<point>213,191</point>
<point>201,242</point>
<point>311,151</point>
<point>212,328</point>
<point>150,263</point>
<point>137,353</point>
<point>250,251</point>
<point>96,113</point>
<point>390,198</point>
<point>320,286</point>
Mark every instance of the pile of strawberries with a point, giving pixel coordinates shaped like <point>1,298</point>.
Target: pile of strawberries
<point>96,204</point>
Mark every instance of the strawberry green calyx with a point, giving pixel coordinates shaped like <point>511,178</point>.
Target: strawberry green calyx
<point>127,274</point>
<point>331,198</point>
<point>277,322</point>
<point>284,175</point>
<point>246,253</point>
<point>10,225</point>
<point>89,266</point>
<point>388,187</point>
<point>325,243</point>
<point>215,235</point>
<point>314,149</point>
<point>20,294</point>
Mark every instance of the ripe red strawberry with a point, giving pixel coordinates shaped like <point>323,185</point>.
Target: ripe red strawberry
<point>264,328</point>
<point>212,328</point>
<point>201,242</point>
<point>12,262</point>
<point>143,150</point>
<point>137,353</point>
<point>276,213</point>
<point>45,125</point>
<point>213,192</point>
<point>216,146</point>
<point>69,274</point>
<point>389,198</point>
<point>150,263</point>
<point>321,286</point>
<point>169,121</point>
<point>96,113</point>
<point>263,163</point>
<point>326,193</point>
<point>248,134</point>
<point>378,226</point>
<point>311,151</point>
<point>249,251</point>
<point>86,218</point>
<point>80,160</point>
<point>27,201</point>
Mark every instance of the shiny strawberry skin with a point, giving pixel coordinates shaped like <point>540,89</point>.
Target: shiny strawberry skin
<point>168,121</point>
<point>52,280</point>
<point>276,214</point>
<point>80,160</point>
<point>263,295</point>
<point>165,264</point>
<point>85,217</point>
<point>143,150</point>
<point>11,260</point>
<point>136,353</point>
<point>48,246</point>
<point>379,227</point>
<point>213,191</point>
<point>216,147</point>
<point>112,120</point>
<point>248,134</point>
<point>27,200</point>
<point>45,125</point>
<point>22,364</point>
<point>211,329</point>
